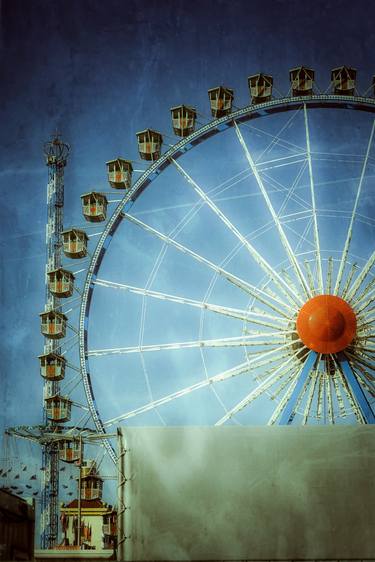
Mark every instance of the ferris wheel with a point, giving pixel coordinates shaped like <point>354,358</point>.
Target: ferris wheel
<point>234,281</point>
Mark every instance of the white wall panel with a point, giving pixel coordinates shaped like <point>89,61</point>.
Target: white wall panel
<point>250,493</point>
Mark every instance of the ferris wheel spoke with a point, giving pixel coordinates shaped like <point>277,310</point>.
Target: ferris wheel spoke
<point>338,393</point>
<point>279,162</point>
<point>255,292</point>
<point>267,363</point>
<point>368,291</point>
<point>280,187</point>
<point>319,400</point>
<point>362,276</point>
<point>310,278</point>
<point>284,400</point>
<point>258,258</point>
<point>350,229</point>
<point>361,360</point>
<point>281,141</point>
<point>329,276</point>
<point>252,317</point>
<point>277,139</point>
<point>311,394</point>
<point>225,375</point>
<point>276,375</point>
<point>313,203</point>
<point>366,380</point>
<point>329,398</point>
<point>348,281</point>
<point>283,238</point>
<point>233,372</point>
<point>242,341</point>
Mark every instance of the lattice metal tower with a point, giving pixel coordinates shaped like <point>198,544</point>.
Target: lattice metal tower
<point>56,153</point>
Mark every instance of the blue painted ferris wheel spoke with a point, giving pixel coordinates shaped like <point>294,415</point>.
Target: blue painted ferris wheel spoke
<point>357,390</point>
<point>287,414</point>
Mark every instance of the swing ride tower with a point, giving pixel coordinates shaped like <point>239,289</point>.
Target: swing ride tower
<point>56,153</point>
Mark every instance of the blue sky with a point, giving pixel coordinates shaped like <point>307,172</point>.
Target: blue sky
<point>101,72</point>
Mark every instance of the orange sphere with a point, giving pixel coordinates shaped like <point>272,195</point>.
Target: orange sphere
<point>326,324</point>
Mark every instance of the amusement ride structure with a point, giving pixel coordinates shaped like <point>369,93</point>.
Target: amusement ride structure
<point>256,237</point>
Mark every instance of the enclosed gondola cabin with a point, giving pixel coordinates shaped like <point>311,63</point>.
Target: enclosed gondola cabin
<point>91,482</point>
<point>221,100</point>
<point>70,450</point>
<point>75,243</point>
<point>94,206</point>
<point>183,120</point>
<point>343,80</point>
<point>52,366</point>
<point>120,173</point>
<point>149,144</point>
<point>260,87</point>
<point>61,282</point>
<point>301,81</point>
<point>53,324</point>
<point>58,408</point>
<point>91,488</point>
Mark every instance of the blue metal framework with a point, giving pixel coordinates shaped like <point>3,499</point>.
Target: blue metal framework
<point>289,410</point>
<point>359,395</point>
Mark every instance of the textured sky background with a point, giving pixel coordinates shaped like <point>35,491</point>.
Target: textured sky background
<point>99,72</point>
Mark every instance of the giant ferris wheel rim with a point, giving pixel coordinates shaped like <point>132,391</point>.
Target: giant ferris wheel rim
<point>216,126</point>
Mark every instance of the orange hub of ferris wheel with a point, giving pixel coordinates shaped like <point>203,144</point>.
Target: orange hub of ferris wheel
<point>326,324</point>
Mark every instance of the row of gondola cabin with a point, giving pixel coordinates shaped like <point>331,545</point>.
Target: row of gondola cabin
<point>94,206</point>
<point>343,80</point>
<point>52,366</point>
<point>61,282</point>
<point>53,324</point>
<point>75,243</point>
<point>58,408</point>
<point>260,86</point>
<point>70,450</point>
<point>149,144</point>
<point>302,81</point>
<point>221,100</point>
<point>120,173</point>
<point>183,120</point>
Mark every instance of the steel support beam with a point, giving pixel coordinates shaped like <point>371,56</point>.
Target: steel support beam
<point>288,412</point>
<point>357,390</point>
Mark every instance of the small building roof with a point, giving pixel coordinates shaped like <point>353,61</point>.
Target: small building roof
<point>54,312</point>
<point>188,107</point>
<point>62,270</point>
<point>75,230</point>
<point>117,159</point>
<point>97,193</point>
<point>87,503</point>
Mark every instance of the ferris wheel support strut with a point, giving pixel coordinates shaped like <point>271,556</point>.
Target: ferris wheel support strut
<point>312,192</point>
<point>288,413</point>
<point>355,387</point>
